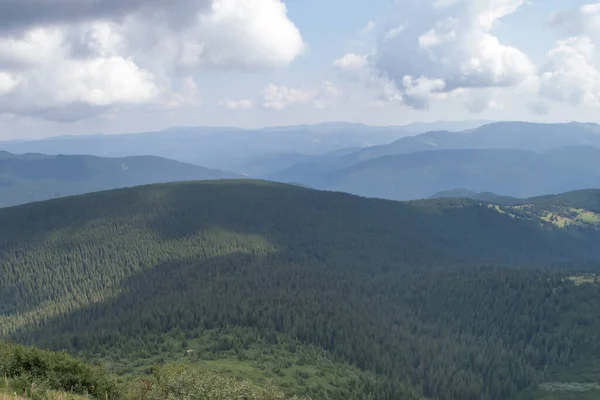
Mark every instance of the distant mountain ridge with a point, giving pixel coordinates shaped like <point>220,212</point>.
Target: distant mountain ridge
<point>513,158</point>
<point>33,177</point>
<point>255,152</point>
<point>583,199</point>
<point>483,196</point>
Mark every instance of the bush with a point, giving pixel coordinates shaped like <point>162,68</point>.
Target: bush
<point>33,371</point>
<point>178,382</point>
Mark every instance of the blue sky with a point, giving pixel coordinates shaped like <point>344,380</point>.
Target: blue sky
<point>257,63</point>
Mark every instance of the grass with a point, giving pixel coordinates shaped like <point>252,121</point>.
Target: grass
<point>580,381</point>
<point>49,396</point>
<point>6,393</point>
<point>295,368</point>
<point>558,216</point>
<point>584,279</point>
<point>565,395</point>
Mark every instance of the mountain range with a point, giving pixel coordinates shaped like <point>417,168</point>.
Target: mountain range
<point>509,158</point>
<point>514,159</point>
<point>253,152</point>
<point>33,177</point>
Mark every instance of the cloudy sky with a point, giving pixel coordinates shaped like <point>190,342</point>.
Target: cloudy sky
<point>110,66</point>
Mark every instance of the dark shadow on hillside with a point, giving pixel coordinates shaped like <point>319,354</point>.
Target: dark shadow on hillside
<point>384,321</point>
<point>328,228</point>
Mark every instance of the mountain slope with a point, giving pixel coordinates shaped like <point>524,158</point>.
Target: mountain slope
<point>500,135</point>
<point>256,152</point>
<point>40,374</point>
<point>222,148</point>
<point>33,177</point>
<point>514,173</point>
<point>397,289</point>
<point>582,199</point>
<point>485,196</point>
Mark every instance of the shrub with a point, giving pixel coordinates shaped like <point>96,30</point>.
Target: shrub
<point>178,382</point>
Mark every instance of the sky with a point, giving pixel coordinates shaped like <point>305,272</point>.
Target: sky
<point>113,66</point>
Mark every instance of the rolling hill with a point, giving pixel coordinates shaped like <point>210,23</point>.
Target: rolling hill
<point>588,199</point>
<point>513,173</point>
<point>244,151</point>
<point>256,152</point>
<point>443,299</point>
<point>371,171</point>
<point>484,196</point>
<point>33,177</point>
<point>498,135</point>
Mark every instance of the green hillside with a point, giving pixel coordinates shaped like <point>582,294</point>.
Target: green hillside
<point>328,294</point>
<point>31,373</point>
<point>33,177</point>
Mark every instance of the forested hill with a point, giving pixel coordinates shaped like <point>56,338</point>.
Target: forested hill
<point>440,298</point>
<point>26,178</point>
<point>586,199</point>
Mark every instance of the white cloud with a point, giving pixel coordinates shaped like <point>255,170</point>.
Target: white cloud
<point>447,51</point>
<point>7,83</point>
<point>479,100</point>
<point>351,62</point>
<point>582,21</point>
<point>368,28</point>
<point>135,54</point>
<point>237,104</point>
<point>419,91</point>
<point>572,76</point>
<point>327,95</point>
<point>187,95</point>
<point>242,34</point>
<point>331,90</point>
<point>33,48</point>
<point>50,77</point>
<point>282,97</point>
<point>102,82</point>
<point>394,32</point>
<point>449,45</point>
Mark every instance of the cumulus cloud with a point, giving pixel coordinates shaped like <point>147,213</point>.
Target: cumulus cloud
<point>432,48</point>
<point>49,77</point>
<point>351,62</point>
<point>447,50</point>
<point>331,90</point>
<point>238,33</point>
<point>7,83</point>
<point>105,53</point>
<point>327,95</point>
<point>571,75</point>
<point>368,28</point>
<point>237,104</point>
<point>394,32</point>
<point>584,20</point>
<point>283,97</point>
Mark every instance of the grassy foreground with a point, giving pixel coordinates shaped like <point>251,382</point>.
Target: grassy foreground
<point>31,373</point>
